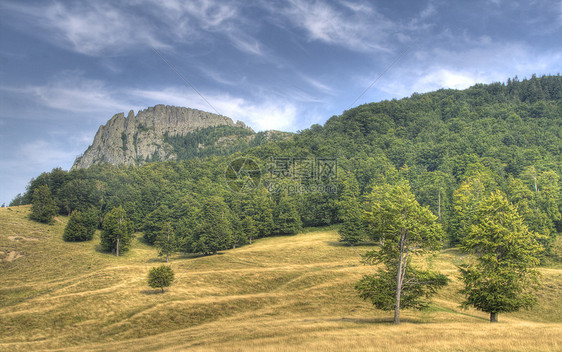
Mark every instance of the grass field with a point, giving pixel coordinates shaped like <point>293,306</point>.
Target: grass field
<point>278,294</point>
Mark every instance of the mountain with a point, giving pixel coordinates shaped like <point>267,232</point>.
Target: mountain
<point>165,132</point>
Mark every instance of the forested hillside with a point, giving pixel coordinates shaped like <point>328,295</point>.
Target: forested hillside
<point>453,147</point>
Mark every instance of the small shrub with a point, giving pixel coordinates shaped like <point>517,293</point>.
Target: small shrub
<point>160,277</point>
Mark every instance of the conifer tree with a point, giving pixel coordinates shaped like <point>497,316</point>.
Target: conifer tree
<point>160,277</point>
<point>286,216</point>
<point>117,232</point>
<point>350,213</point>
<point>81,226</point>
<point>166,241</point>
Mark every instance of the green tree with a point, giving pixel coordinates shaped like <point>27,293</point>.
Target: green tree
<point>405,229</point>
<point>81,226</point>
<point>117,232</point>
<point>43,207</point>
<point>503,277</point>
<point>350,212</point>
<point>539,203</point>
<point>78,194</point>
<point>286,216</point>
<point>153,223</point>
<point>166,241</point>
<point>466,200</point>
<point>160,277</point>
<point>213,231</point>
<point>261,211</point>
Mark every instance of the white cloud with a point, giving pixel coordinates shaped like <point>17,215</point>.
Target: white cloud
<point>444,78</point>
<point>355,26</point>
<point>43,154</point>
<point>484,61</point>
<point>265,115</point>
<point>105,28</point>
<point>72,92</point>
<point>90,28</point>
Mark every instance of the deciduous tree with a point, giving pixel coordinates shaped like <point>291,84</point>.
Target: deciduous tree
<point>503,277</point>
<point>405,229</point>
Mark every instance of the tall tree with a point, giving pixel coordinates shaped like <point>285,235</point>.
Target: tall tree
<point>43,207</point>
<point>262,212</point>
<point>117,232</point>
<point>405,229</point>
<point>350,212</point>
<point>213,231</point>
<point>286,216</point>
<point>154,222</point>
<point>504,276</point>
<point>166,241</point>
<point>466,199</point>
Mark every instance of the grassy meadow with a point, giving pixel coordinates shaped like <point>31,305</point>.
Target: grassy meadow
<point>279,294</point>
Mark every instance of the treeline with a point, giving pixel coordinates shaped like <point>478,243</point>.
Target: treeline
<point>453,147</point>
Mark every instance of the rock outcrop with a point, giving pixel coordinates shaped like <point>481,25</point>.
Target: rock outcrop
<point>133,140</point>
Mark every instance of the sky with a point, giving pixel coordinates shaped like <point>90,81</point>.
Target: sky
<point>66,67</point>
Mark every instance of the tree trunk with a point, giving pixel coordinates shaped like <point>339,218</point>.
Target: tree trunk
<point>117,248</point>
<point>439,211</point>
<point>399,277</point>
<point>162,288</point>
<point>168,249</point>
<point>493,317</point>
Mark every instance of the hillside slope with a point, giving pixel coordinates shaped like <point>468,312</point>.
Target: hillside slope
<point>278,294</point>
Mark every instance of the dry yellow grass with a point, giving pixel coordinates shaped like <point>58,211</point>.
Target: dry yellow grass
<point>278,294</point>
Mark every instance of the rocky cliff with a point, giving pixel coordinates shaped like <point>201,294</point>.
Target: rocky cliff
<point>136,139</point>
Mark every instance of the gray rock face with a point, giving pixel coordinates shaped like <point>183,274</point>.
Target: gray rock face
<point>133,140</point>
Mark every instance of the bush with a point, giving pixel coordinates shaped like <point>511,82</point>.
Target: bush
<point>160,277</point>
<point>81,226</point>
<point>43,208</point>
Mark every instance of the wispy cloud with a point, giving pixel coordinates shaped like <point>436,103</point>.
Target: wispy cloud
<point>246,44</point>
<point>104,28</point>
<point>356,26</point>
<point>71,91</point>
<point>90,28</point>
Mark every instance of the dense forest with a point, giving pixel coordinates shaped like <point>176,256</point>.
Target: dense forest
<point>219,140</point>
<point>453,147</point>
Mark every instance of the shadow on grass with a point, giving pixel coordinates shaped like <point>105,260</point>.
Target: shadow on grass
<point>452,311</point>
<point>142,240</point>
<point>376,321</point>
<point>361,245</point>
<point>195,255</point>
<point>98,248</point>
<point>156,291</point>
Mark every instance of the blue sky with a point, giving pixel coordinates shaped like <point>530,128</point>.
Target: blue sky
<point>66,67</point>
